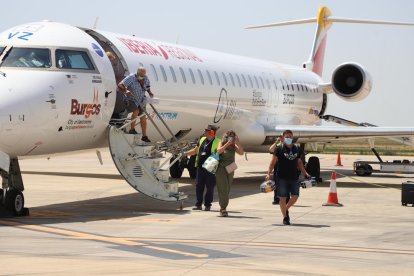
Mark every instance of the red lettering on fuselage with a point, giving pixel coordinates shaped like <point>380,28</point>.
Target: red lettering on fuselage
<point>84,109</point>
<point>140,47</point>
<point>145,48</point>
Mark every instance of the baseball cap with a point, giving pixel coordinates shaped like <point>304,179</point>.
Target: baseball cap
<point>211,127</point>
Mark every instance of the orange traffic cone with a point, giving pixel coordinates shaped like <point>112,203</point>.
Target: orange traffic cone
<point>332,197</point>
<point>338,160</point>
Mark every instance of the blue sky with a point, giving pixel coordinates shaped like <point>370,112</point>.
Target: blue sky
<point>386,52</point>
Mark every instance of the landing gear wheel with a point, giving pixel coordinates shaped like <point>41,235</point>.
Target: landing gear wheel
<point>15,202</point>
<point>313,167</point>
<point>192,170</point>
<point>175,170</point>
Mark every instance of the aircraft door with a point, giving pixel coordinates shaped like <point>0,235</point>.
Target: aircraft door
<point>119,67</point>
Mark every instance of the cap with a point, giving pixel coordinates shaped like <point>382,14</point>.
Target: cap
<point>211,127</point>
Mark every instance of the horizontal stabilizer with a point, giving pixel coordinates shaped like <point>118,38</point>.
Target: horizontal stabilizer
<point>331,19</point>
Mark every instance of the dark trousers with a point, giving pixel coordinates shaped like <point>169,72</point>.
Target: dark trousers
<point>206,180</point>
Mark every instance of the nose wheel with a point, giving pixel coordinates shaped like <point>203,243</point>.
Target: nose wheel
<point>11,196</point>
<point>14,202</point>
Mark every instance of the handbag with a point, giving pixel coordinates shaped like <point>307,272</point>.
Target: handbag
<point>211,163</point>
<point>231,167</point>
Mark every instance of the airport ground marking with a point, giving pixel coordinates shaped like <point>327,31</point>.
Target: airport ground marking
<point>360,181</point>
<point>280,245</point>
<point>85,236</point>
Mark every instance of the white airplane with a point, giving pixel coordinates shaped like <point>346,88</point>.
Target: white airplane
<point>58,94</point>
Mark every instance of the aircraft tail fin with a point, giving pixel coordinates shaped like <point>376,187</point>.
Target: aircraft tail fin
<point>324,20</point>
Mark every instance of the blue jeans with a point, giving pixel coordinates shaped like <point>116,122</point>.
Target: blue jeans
<point>207,180</point>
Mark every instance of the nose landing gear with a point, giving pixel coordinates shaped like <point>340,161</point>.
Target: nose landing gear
<point>11,196</point>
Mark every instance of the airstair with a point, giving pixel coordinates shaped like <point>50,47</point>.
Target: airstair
<point>140,162</point>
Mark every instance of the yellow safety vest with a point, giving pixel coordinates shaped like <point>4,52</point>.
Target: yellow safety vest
<point>214,146</point>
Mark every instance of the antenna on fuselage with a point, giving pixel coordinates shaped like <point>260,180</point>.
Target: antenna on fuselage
<point>96,23</point>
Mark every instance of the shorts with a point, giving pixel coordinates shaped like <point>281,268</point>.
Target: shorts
<point>131,106</point>
<point>284,187</point>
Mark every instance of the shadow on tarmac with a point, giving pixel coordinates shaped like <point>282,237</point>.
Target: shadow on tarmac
<point>138,206</point>
<point>303,225</point>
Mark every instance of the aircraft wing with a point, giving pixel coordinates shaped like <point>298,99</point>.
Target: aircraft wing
<point>335,133</point>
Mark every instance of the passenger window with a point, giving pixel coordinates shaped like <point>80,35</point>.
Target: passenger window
<point>209,77</point>
<point>283,85</point>
<point>250,80</point>
<point>261,82</point>
<point>201,76</point>
<point>192,75</point>
<point>231,79</point>
<point>217,78</point>
<point>244,80</point>
<point>183,75</point>
<point>72,59</point>
<point>163,73</point>
<point>275,84</point>
<point>173,74</point>
<point>256,82</point>
<point>154,71</point>
<point>224,78</point>
<point>27,57</point>
<point>238,80</point>
<point>268,84</point>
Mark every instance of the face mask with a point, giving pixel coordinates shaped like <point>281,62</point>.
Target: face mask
<point>140,78</point>
<point>288,141</point>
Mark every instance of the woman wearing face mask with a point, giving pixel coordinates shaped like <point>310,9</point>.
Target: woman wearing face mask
<point>286,159</point>
<point>227,149</point>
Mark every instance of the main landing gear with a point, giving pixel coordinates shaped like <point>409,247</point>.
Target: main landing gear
<point>11,194</point>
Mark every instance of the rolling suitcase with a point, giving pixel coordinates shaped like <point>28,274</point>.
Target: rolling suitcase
<point>407,193</point>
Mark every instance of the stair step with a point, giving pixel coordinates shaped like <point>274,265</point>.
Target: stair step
<point>139,164</point>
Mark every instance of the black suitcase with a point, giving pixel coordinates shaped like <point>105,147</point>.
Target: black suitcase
<point>407,193</point>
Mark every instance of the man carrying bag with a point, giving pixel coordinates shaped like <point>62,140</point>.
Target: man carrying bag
<point>206,146</point>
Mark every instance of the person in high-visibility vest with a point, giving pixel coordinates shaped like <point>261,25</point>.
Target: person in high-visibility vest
<point>205,179</point>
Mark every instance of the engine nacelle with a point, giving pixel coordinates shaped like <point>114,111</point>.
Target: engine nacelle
<point>351,82</point>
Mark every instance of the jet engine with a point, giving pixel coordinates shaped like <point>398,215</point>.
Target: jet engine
<point>351,82</point>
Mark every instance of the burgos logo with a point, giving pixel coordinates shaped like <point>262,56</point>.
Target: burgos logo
<point>86,109</point>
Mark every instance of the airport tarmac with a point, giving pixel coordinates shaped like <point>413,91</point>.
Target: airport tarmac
<point>84,220</point>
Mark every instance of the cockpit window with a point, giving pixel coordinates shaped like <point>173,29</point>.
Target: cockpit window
<point>72,59</point>
<point>27,57</point>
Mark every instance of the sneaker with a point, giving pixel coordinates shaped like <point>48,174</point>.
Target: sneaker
<point>133,131</point>
<point>224,213</point>
<point>145,139</point>
<point>287,214</point>
<point>197,208</point>
<point>207,208</point>
<point>286,221</point>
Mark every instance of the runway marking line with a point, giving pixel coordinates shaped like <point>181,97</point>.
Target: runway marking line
<point>373,184</point>
<point>85,236</point>
<point>140,242</point>
<point>282,245</point>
